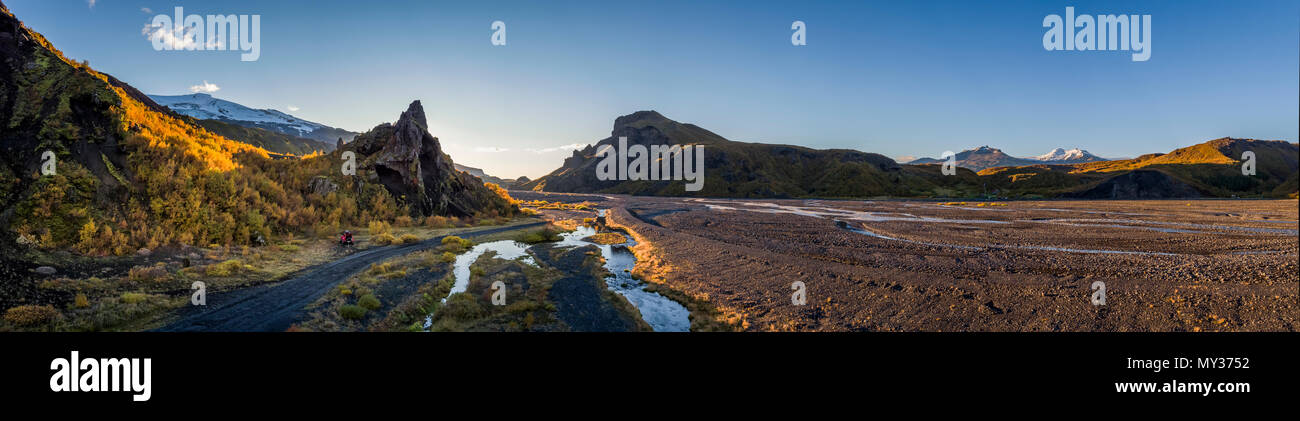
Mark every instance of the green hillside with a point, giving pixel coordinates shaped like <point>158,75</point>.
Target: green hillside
<point>265,139</point>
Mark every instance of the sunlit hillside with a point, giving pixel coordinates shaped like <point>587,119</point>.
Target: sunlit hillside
<point>131,174</point>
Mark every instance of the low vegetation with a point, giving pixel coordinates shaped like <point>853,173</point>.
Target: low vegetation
<point>542,204</point>
<point>527,307</point>
<point>543,235</point>
<point>607,238</point>
<point>976,204</point>
<point>31,315</point>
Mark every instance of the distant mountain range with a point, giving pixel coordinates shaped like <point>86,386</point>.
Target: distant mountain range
<point>273,130</point>
<point>509,184</point>
<point>757,170</point>
<point>206,107</point>
<point>1209,169</point>
<point>985,157</point>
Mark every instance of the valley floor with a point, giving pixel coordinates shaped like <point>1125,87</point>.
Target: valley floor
<point>1201,265</point>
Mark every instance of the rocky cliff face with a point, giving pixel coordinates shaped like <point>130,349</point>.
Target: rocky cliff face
<point>409,162</point>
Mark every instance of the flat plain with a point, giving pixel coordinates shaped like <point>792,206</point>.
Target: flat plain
<point>891,265</point>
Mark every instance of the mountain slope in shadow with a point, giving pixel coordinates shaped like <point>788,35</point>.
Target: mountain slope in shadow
<point>757,170</point>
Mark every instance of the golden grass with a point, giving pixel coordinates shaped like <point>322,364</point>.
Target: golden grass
<point>607,238</point>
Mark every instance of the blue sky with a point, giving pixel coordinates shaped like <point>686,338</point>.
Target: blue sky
<point>899,78</point>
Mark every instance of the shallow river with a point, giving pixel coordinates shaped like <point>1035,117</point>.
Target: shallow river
<point>661,313</point>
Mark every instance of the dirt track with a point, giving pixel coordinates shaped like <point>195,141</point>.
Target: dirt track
<point>274,307</point>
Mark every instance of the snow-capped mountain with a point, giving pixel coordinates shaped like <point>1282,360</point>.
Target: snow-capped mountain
<point>205,107</point>
<point>1063,156</point>
<point>985,157</point>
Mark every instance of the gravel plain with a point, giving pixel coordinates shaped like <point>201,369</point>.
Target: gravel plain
<point>891,265</point>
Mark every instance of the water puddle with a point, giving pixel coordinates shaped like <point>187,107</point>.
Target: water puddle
<point>1158,229</point>
<point>661,313</point>
<point>813,209</point>
<point>869,233</point>
<point>823,212</point>
<point>505,249</point>
<point>1204,228</point>
<point>1094,251</point>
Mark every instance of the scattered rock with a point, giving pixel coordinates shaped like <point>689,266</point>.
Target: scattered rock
<point>46,270</point>
<point>322,186</point>
<point>144,251</point>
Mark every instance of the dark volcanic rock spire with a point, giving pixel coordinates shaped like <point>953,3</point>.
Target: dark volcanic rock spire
<point>409,162</point>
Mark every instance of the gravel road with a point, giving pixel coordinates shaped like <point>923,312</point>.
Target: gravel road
<point>274,307</point>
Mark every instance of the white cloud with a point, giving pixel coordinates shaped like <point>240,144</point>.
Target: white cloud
<point>206,88</point>
<point>569,147</point>
<point>293,108</point>
<point>490,149</point>
<point>91,3</point>
<point>146,10</point>
<point>168,36</point>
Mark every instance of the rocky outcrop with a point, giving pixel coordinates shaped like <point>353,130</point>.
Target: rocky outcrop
<point>322,186</point>
<point>409,162</point>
